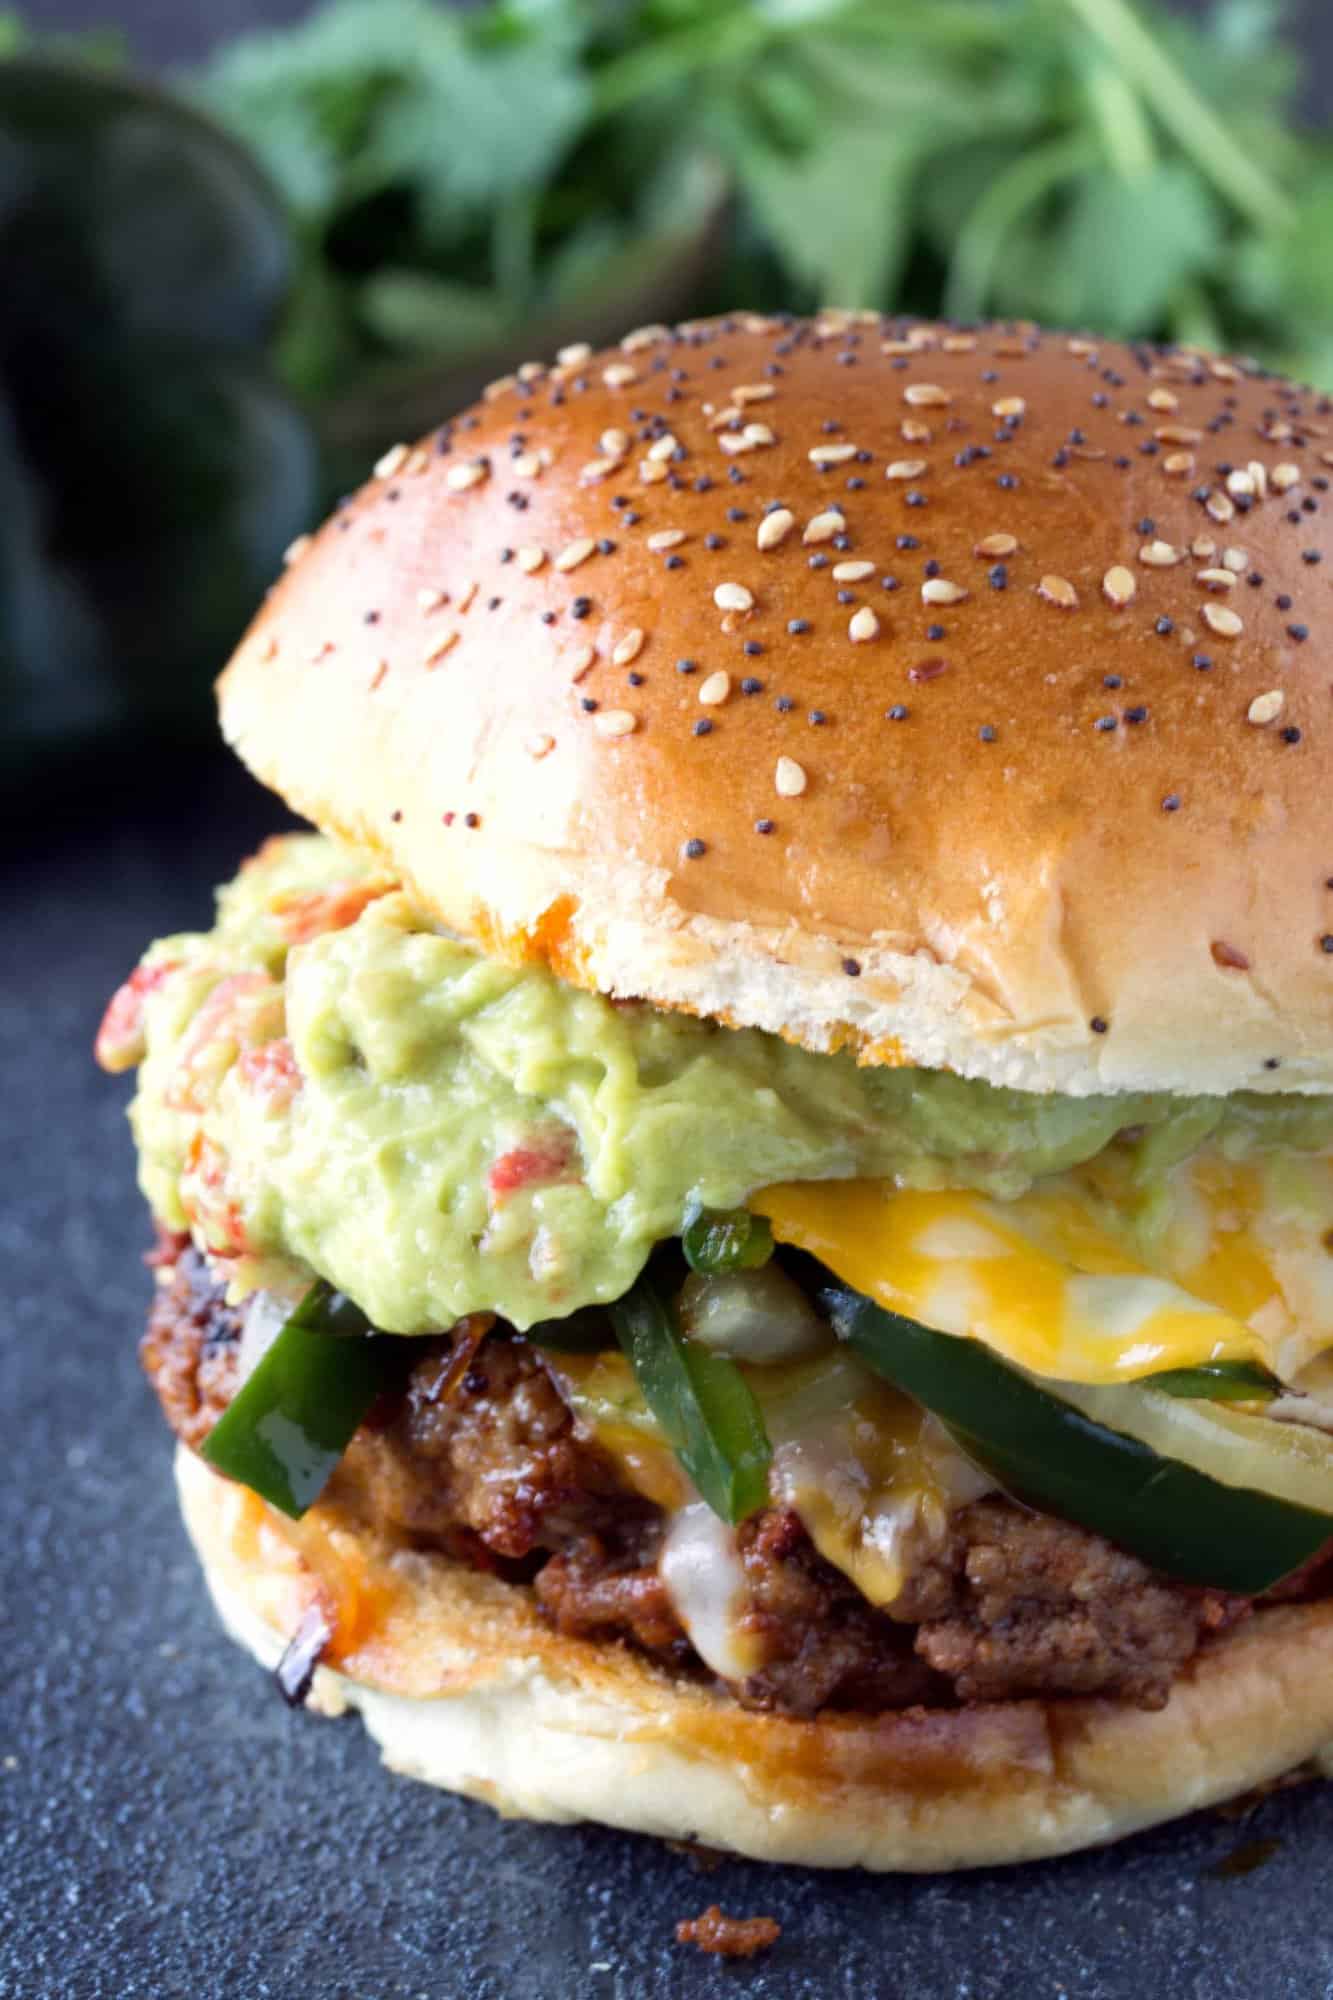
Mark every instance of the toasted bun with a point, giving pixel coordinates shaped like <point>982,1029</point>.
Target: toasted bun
<point>462,1684</point>
<point>1079,859</point>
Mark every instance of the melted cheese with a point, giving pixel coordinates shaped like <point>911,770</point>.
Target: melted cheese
<point>705,1580</point>
<point>872,1476</point>
<point>1087,1278</point>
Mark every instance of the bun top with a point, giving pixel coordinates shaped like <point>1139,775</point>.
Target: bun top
<point>964,697</point>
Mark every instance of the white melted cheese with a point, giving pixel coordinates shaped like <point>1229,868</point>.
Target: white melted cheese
<point>705,1580</point>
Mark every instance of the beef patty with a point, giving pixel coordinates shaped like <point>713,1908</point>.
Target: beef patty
<point>487,1464</point>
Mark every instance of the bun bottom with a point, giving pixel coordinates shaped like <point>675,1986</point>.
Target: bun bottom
<point>462,1684</point>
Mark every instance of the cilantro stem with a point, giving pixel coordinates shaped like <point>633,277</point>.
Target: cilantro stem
<point>983,236</point>
<point>1126,133</point>
<point>1195,126</point>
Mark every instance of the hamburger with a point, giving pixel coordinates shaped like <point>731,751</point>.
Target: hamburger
<point>744,1232</point>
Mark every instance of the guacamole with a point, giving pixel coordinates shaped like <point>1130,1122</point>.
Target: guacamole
<point>328,1084</point>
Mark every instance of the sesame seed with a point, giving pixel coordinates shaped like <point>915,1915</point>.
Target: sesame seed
<point>460,477</point>
<point>1160,555</point>
<point>574,355</point>
<point>619,375</point>
<point>852,572</point>
<point>615,722</point>
<point>1178,464</point>
<point>733,597</point>
<point>926,395</point>
<point>789,778</point>
<point>394,459</point>
<point>830,454</point>
<point>822,527</point>
<point>1220,618</point>
<point>575,553</point>
<point>753,392</point>
<point>863,626</point>
<point>905,468</point>
<point>1284,476</point>
<point>628,648</point>
<point>295,550</point>
<point>662,447</point>
<point>530,558</point>
<point>666,538</point>
<point>1119,586</point>
<point>774,528</point>
<point>1266,708</point>
<point>1162,399</point>
<point>939,590</point>
<point>1217,579</point>
<point>581,661</point>
<point>715,689</point>
<point>996,545</point>
<point>1058,590</point>
<point>1008,407</point>
<point>1220,508</point>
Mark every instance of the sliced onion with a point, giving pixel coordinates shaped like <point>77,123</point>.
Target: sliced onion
<point>758,1316</point>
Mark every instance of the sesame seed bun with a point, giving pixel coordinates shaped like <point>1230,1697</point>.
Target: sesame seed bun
<point>961,697</point>
<point>463,1685</point>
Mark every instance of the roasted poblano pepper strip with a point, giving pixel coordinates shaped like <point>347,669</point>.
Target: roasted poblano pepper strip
<point>586,1331</point>
<point>1044,1451</point>
<point>703,1403</point>
<point>725,1239</point>
<point>294,1416</point>
<point>1217,1382</point>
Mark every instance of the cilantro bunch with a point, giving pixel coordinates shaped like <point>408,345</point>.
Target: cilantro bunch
<point>454,174</point>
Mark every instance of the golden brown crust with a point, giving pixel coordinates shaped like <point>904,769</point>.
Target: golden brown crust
<point>442,675</point>
<point>465,1686</point>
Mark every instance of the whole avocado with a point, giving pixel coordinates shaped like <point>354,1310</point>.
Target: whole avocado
<point>151,470</point>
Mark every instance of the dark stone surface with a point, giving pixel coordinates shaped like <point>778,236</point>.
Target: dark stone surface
<point>168,1828</point>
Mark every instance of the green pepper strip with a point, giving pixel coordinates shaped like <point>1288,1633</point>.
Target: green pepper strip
<point>728,1239</point>
<point>293,1418</point>
<point>1217,1382</point>
<point>1050,1455</point>
<point>585,1331</point>
<point>702,1401</point>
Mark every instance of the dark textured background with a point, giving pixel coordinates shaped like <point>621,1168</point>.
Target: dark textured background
<point>167,1828</point>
